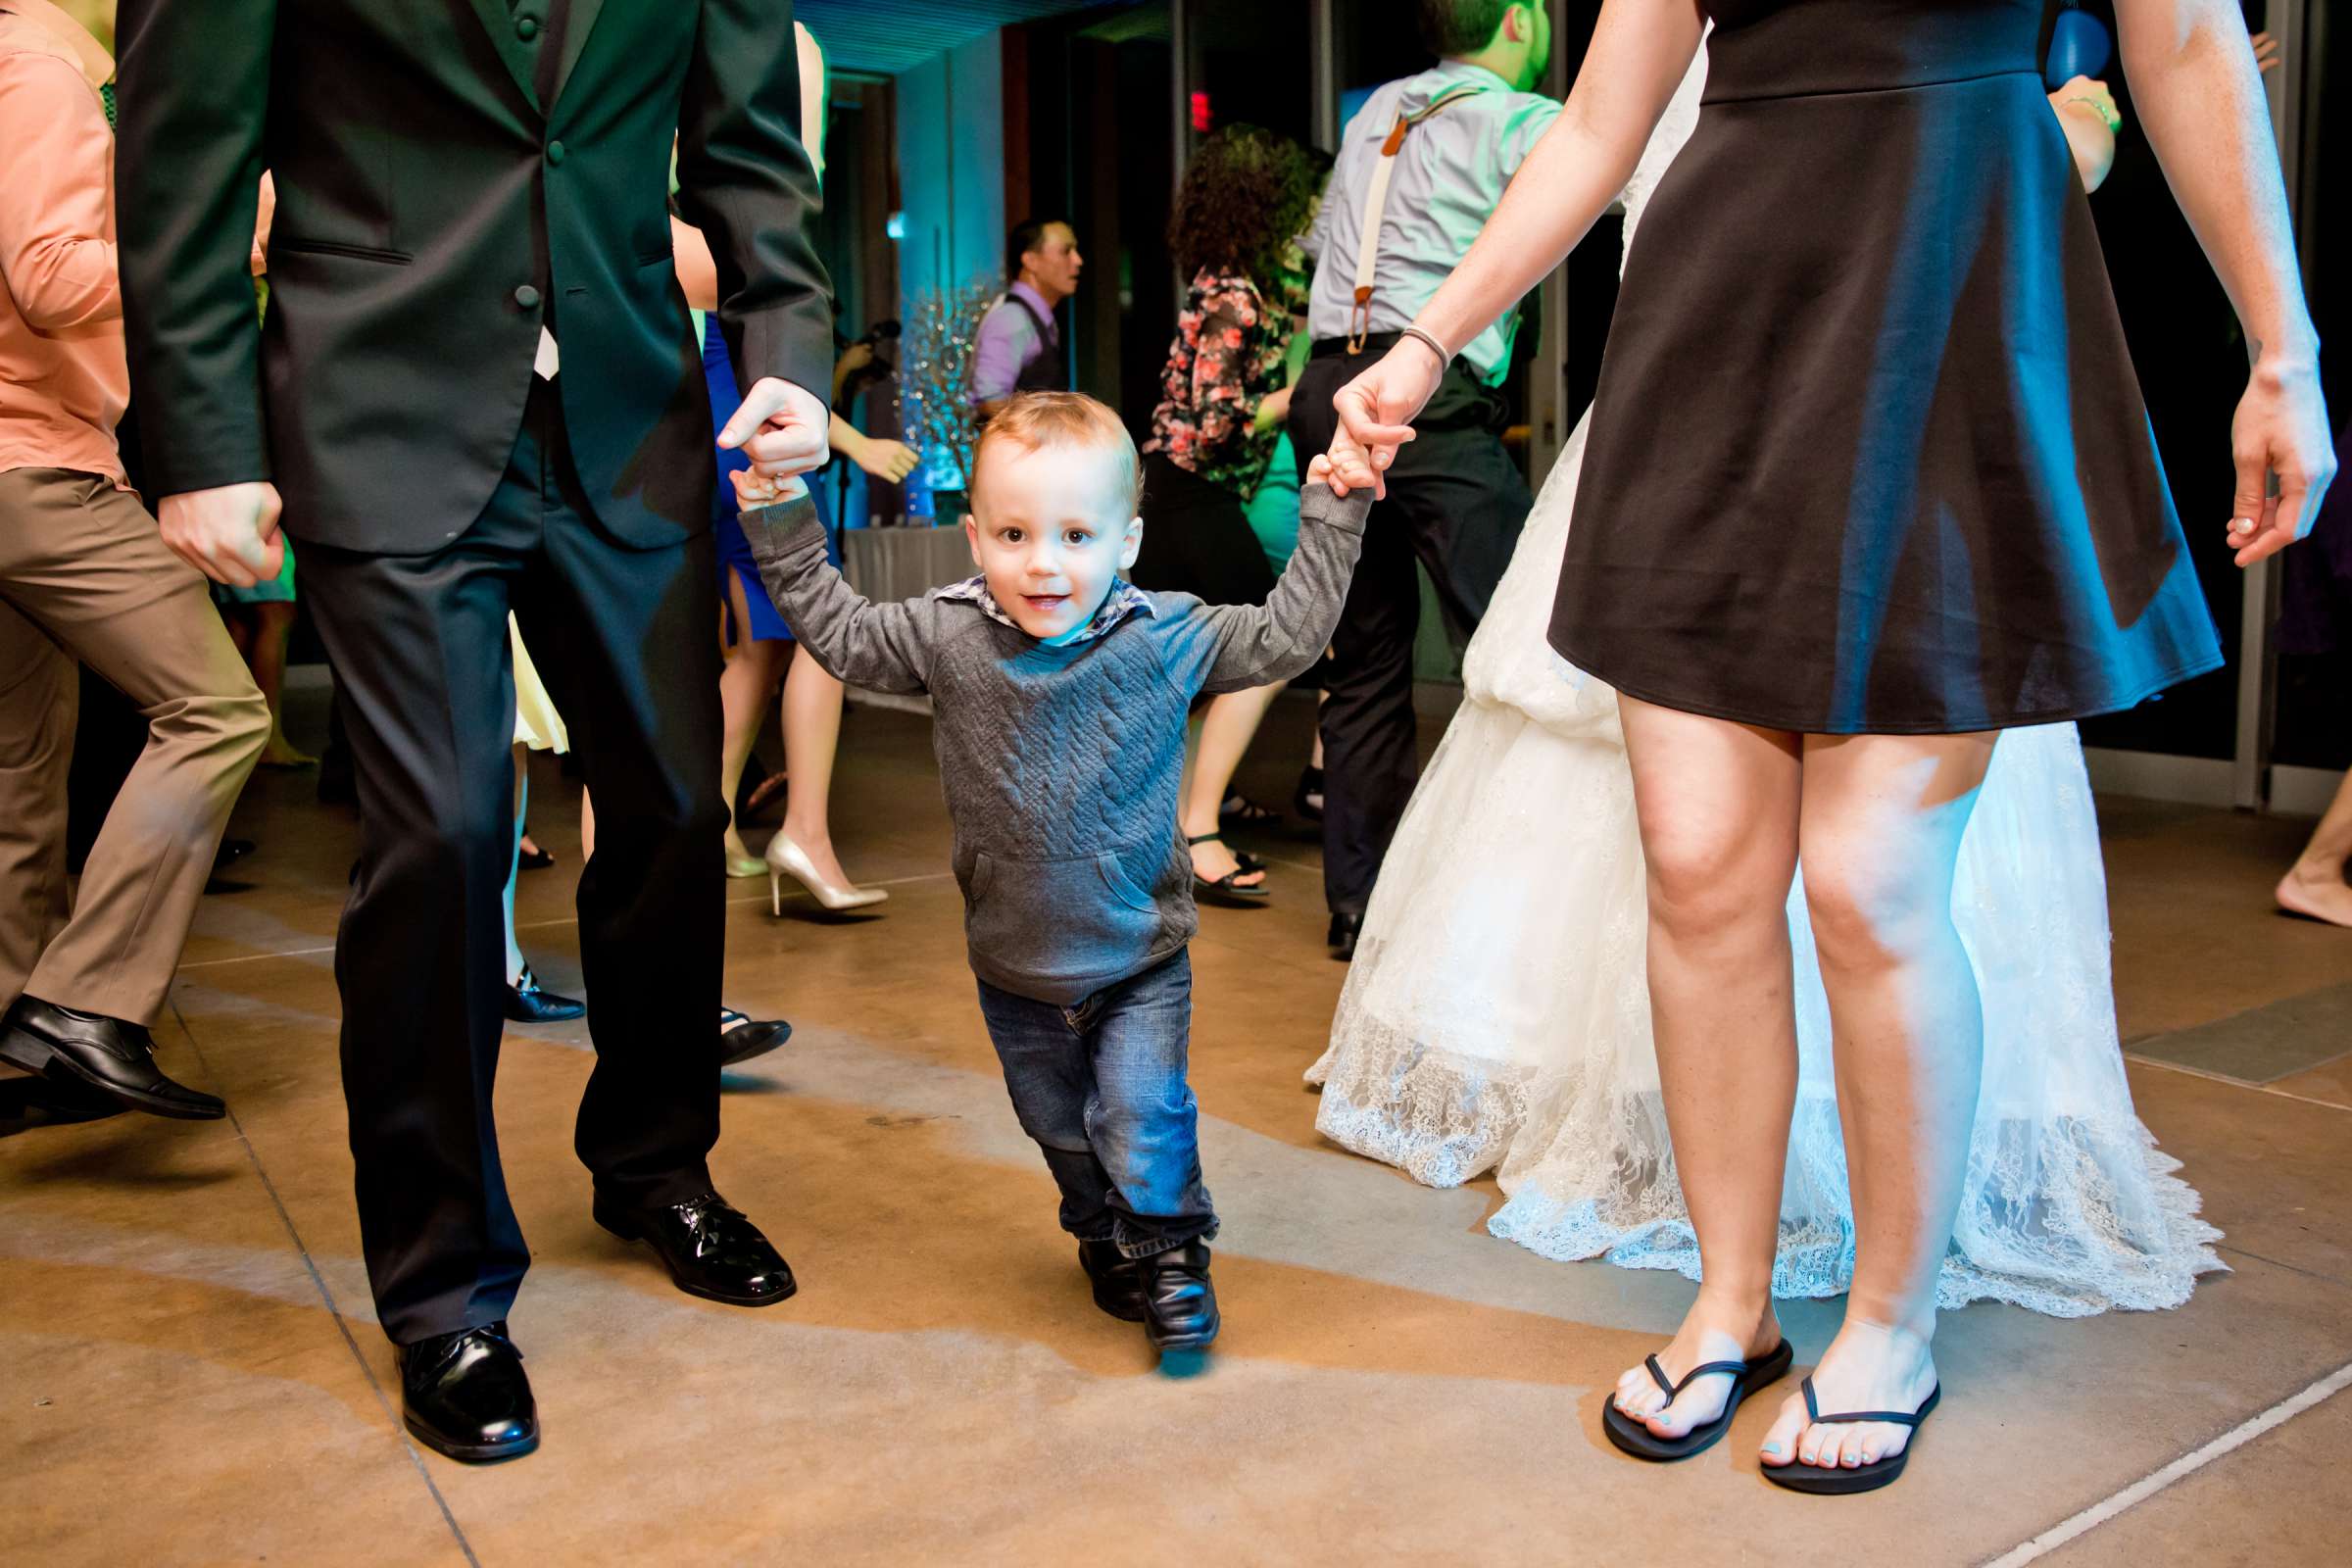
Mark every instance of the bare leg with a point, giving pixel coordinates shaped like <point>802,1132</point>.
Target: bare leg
<point>273,624</point>
<point>745,686</point>
<point>1880,835</point>
<point>522,796</point>
<point>1227,726</point>
<point>1718,806</point>
<point>2315,884</point>
<point>238,618</point>
<point>812,703</point>
<point>587,827</point>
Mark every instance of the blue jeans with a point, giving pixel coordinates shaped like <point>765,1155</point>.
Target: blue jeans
<point>1100,1086</point>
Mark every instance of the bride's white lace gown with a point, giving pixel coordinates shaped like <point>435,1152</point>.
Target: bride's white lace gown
<point>1497,1015</point>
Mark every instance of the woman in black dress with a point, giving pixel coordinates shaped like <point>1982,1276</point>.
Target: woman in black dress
<point>1869,481</point>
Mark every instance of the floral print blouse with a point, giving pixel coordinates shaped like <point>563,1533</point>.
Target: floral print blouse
<point>1227,357</point>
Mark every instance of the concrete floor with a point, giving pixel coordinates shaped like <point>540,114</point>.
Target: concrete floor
<point>190,1373</point>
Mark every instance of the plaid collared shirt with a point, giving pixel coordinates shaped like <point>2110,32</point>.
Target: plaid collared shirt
<point>1123,600</point>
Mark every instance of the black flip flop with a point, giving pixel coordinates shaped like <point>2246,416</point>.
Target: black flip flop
<point>1226,889</point>
<point>1628,1434</point>
<point>1837,1481</point>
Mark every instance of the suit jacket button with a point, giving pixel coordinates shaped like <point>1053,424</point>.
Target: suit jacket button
<point>555,152</point>
<point>527,297</point>
<point>526,28</point>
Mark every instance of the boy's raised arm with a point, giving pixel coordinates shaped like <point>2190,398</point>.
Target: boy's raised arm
<point>1235,647</point>
<point>880,648</point>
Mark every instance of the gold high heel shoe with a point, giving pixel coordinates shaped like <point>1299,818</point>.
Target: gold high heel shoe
<point>785,859</point>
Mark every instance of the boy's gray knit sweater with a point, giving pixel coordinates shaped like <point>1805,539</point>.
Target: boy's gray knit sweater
<point>1060,763</point>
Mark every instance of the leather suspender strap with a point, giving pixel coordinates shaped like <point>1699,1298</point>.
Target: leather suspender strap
<point>1376,204</point>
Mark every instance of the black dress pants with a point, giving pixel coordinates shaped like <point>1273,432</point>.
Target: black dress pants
<point>1456,502</point>
<point>624,641</point>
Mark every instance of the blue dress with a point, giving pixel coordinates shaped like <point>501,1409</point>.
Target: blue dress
<point>734,548</point>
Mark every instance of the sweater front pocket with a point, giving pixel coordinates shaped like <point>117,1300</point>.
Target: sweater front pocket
<point>1072,920</point>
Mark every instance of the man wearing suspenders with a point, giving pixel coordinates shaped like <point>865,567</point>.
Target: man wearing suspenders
<point>1018,348</point>
<point>1420,167</point>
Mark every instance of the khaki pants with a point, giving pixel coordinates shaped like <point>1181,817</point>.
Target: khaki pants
<point>85,578</point>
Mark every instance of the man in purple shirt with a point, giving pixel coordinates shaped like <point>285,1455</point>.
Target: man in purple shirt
<point>1019,345</point>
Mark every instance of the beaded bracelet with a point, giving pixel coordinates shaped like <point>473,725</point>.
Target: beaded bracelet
<point>2114,121</point>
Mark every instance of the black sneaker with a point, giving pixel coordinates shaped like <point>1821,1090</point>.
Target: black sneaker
<point>1180,1304</point>
<point>1117,1278</point>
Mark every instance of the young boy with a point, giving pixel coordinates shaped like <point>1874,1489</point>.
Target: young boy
<point>1060,693</point>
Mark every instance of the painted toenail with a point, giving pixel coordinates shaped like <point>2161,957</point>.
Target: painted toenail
<point>1772,1447</point>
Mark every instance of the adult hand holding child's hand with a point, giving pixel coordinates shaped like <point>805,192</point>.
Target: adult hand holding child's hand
<point>755,490</point>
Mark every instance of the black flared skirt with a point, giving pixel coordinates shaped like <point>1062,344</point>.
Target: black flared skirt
<point>1868,454</point>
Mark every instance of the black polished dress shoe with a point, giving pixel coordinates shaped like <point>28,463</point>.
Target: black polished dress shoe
<point>710,1248</point>
<point>1345,927</point>
<point>465,1395</point>
<point>1118,1279</point>
<point>1180,1304</point>
<point>526,1004</point>
<point>99,1052</point>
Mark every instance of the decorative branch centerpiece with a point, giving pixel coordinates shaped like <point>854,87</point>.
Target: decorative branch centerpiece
<point>936,358</point>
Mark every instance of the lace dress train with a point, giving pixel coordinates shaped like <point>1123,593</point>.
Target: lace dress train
<point>1497,1016</point>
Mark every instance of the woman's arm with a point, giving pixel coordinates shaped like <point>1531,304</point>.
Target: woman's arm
<point>698,273</point>
<point>878,456</point>
<point>1273,409</point>
<point>2200,97</point>
<point>1641,50</point>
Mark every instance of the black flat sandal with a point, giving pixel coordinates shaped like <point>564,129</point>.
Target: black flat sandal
<point>742,1037</point>
<point>1240,809</point>
<point>1226,889</point>
<point>1628,1434</point>
<point>1307,799</point>
<point>1837,1481</point>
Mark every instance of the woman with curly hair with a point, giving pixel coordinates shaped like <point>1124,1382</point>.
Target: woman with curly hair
<point>1246,196</point>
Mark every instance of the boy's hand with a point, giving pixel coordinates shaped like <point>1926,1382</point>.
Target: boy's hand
<point>755,490</point>
<point>1319,471</point>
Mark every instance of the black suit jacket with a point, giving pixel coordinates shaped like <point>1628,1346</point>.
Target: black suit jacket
<point>431,214</point>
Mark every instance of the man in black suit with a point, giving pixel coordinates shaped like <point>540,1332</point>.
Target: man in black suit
<point>478,390</point>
